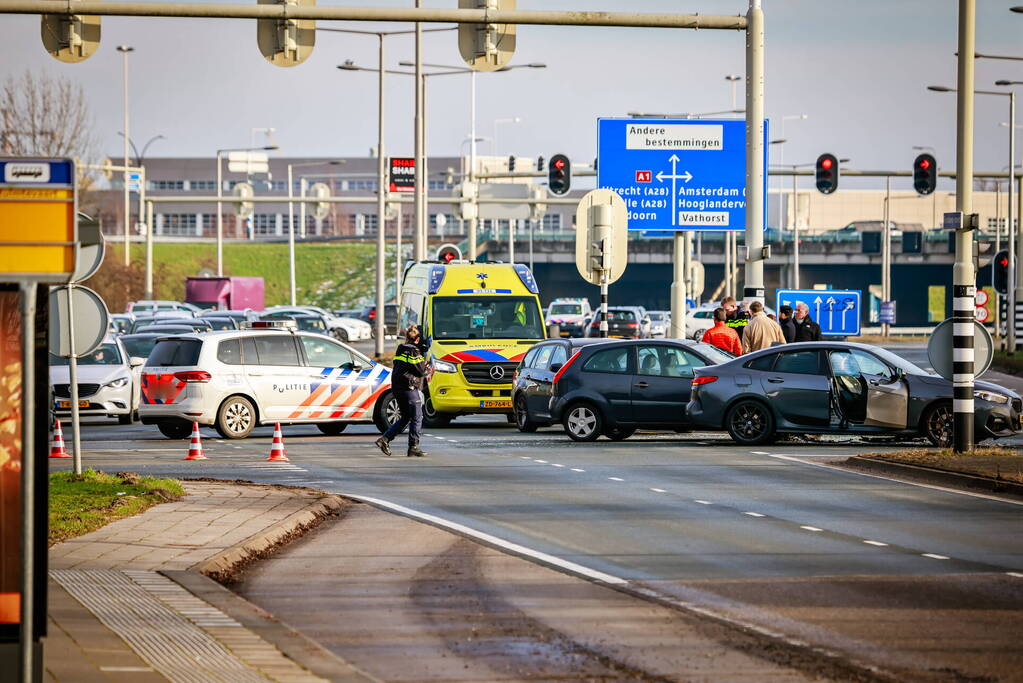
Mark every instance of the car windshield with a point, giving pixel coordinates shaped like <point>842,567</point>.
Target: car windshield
<point>656,317</point>
<point>898,362</point>
<point>310,324</point>
<point>486,317</point>
<point>618,316</point>
<point>566,309</point>
<point>139,346</point>
<point>713,353</point>
<point>221,323</point>
<point>106,354</point>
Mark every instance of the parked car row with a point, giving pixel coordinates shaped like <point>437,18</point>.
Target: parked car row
<point>597,387</point>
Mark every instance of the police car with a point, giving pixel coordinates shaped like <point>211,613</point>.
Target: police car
<point>266,372</point>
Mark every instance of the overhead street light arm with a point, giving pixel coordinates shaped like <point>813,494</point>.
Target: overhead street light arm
<point>385,33</point>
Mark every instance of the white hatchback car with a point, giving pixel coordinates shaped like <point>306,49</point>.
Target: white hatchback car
<point>107,383</point>
<point>235,380</point>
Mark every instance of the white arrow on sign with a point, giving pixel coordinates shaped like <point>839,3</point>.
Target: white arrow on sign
<point>848,307</point>
<point>818,301</point>
<point>831,312</point>
<point>661,175</point>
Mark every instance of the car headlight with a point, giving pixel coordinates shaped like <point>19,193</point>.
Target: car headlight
<point>444,366</point>
<point>117,383</point>
<point>991,396</point>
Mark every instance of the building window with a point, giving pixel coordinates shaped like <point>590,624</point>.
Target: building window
<point>994,224</point>
<point>355,185</point>
<point>166,184</point>
<point>182,224</point>
<point>439,185</point>
<point>264,224</point>
<point>203,185</point>
<point>552,221</point>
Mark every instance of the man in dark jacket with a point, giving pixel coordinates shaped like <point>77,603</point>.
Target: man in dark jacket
<point>788,328</point>
<point>806,328</point>
<point>735,317</point>
<point>408,373</point>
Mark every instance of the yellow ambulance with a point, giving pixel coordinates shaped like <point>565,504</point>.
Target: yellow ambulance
<point>479,320</point>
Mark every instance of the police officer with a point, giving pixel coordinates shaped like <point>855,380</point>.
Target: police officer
<point>408,373</point>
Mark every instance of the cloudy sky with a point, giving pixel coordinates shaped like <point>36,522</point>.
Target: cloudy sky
<point>857,69</point>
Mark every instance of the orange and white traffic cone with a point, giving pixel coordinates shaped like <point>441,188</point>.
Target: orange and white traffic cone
<point>195,447</point>
<point>57,449</point>
<point>277,453</point>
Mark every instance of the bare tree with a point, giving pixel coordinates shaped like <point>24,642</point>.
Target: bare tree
<point>45,116</point>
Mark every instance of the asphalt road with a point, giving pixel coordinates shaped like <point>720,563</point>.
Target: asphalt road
<point>917,580</point>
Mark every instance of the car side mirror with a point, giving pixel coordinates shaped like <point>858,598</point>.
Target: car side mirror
<point>137,361</point>
<point>899,373</point>
<point>556,366</point>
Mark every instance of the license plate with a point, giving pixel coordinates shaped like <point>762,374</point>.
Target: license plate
<point>67,404</point>
<point>495,404</point>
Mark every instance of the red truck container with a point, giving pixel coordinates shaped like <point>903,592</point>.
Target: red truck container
<point>225,293</point>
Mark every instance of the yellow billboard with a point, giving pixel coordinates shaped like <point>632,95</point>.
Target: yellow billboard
<point>38,219</point>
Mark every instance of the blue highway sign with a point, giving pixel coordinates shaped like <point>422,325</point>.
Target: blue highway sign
<point>837,311</point>
<point>677,174</point>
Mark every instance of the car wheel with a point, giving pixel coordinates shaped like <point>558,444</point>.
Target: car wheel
<point>332,428</point>
<point>236,418</point>
<point>341,334</point>
<point>750,423</point>
<point>432,418</point>
<point>521,414</point>
<point>698,335</point>
<point>937,425</point>
<point>386,412</point>
<point>175,430</point>
<point>619,433</point>
<point>583,422</point>
<point>124,419</point>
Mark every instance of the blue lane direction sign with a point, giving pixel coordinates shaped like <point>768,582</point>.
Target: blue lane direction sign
<point>837,311</point>
<point>677,174</point>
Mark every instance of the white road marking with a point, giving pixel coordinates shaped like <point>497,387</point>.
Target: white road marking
<point>616,479</point>
<point>753,514</point>
<point>759,452</point>
<point>658,490</point>
<point>1014,574</point>
<point>703,502</point>
<point>440,437</point>
<point>576,469</point>
<point>898,481</point>
<point>542,462</point>
<point>494,540</point>
<point>554,464</point>
<point>452,441</point>
<point>811,528</point>
<point>879,544</point>
<point>525,457</point>
<point>933,556</point>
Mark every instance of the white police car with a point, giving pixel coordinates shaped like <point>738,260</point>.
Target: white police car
<point>235,380</point>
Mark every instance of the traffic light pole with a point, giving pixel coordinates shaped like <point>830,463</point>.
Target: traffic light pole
<point>381,279</point>
<point>963,276</point>
<point>1014,279</point>
<point>678,287</point>
<point>754,280</point>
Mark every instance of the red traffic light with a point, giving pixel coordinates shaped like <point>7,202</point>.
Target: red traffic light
<point>1003,262</point>
<point>447,257</point>
<point>559,164</point>
<point>925,164</point>
<point>826,164</point>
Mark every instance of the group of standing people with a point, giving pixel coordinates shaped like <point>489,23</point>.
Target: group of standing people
<point>738,329</point>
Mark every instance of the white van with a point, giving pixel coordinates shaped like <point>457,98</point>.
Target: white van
<point>235,380</point>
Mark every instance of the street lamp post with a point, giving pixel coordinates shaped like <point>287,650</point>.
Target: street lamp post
<point>124,50</point>
<point>291,222</point>
<point>734,80</point>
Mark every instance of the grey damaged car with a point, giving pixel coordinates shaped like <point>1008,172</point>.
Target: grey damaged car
<point>838,388</point>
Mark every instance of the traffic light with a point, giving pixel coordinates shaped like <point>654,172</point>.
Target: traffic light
<point>600,255</point>
<point>539,163</point>
<point>827,173</point>
<point>447,253</point>
<point>925,174</point>
<point>1000,271</point>
<point>511,164</point>
<point>559,174</point>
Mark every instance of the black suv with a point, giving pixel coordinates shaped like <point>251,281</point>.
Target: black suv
<point>369,314</point>
<point>595,386</point>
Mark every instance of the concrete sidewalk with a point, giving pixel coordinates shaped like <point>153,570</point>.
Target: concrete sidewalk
<point>132,601</point>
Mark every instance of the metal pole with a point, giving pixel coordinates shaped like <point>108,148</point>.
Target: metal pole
<point>735,264</point>
<point>963,277</point>
<point>220,219</point>
<point>1014,279</point>
<point>728,263</point>
<point>511,239</point>
<point>142,193</point>
<point>678,288</point>
<point>291,236</point>
<point>426,176</point>
<point>795,234</point>
<point>886,252</point>
<point>397,260</point>
<point>127,194</point>
<point>687,262</point>
<point>532,225</point>
<point>754,281</point>
<point>28,467</point>
<point>72,365</point>
<point>474,221</point>
<point>301,206</point>
<point>381,210</point>
<point>418,248</point>
<point>149,251</point>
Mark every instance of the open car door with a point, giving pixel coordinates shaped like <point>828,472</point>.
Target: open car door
<point>887,401</point>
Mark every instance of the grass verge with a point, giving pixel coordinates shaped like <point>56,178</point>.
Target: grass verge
<point>1012,365</point>
<point>80,504</point>
<point>994,462</point>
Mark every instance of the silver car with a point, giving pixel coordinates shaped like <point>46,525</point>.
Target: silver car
<point>108,383</point>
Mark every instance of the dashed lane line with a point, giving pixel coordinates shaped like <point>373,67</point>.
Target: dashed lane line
<point>554,464</point>
<point>934,556</point>
<point>753,514</point>
<point>879,544</point>
<point>658,490</point>
<point>811,528</point>
<point>578,469</point>
<point>703,502</point>
<point>616,479</point>
<point>1016,575</point>
<point>542,462</point>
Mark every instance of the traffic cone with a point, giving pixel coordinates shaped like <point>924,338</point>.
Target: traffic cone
<point>277,453</point>
<point>57,449</point>
<point>195,447</point>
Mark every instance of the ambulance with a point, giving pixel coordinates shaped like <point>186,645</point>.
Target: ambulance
<point>479,320</point>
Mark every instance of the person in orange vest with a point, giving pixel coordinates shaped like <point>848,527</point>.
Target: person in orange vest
<point>721,335</point>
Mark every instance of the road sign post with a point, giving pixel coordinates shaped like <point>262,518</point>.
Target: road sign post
<point>837,311</point>
<point>601,242</point>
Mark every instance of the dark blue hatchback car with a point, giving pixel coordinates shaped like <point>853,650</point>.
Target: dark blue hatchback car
<point>600,387</point>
